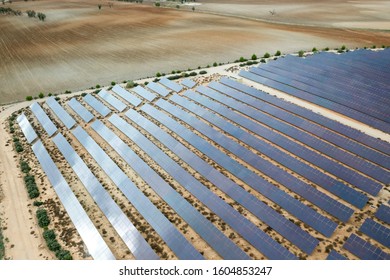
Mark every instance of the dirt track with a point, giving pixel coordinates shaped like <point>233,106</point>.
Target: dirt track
<point>80,46</point>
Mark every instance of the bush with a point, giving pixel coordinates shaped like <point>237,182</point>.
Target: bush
<point>254,57</point>
<point>278,53</point>
<point>301,53</point>
<point>203,72</point>
<point>267,55</point>
<point>41,95</point>
<point>43,219</point>
<point>29,98</point>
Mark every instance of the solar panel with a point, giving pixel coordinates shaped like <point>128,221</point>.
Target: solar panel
<point>158,88</point>
<point>168,232</point>
<point>27,129</point>
<point>209,233</point>
<point>80,110</point>
<point>322,146</point>
<point>311,194</point>
<point>43,119</point>
<point>133,100</point>
<point>301,211</point>
<point>377,231</point>
<point>170,84</point>
<point>362,182</point>
<point>247,230</point>
<point>60,112</point>
<point>91,237</point>
<point>333,255</point>
<point>286,228</point>
<point>383,213</point>
<point>144,93</point>
<point>188,83</point>
<point>364,250</point>
<point>348,194</point>
<point>97,105</point>
<point>126,230</point>
<point>340,128</point>
<point>113,101</point>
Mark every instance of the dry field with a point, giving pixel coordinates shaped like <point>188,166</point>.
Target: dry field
<point>79,46</point>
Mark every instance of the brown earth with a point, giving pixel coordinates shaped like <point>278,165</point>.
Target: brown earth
<point>79,46</point>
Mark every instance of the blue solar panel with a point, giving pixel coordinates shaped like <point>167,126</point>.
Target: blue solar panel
<point>113,101</point>
<point>170,84</point>
<point>383,213</point>
<point>247,230</point>
<point>364,250</point>
<point>27,129</point>
<point>188,83</point>
<point>340,128</point>
<point>126,230</point>
<point>89,234</point>
<point>357,163</point>
<point>348,194</point>
<point>377,231</point>
<point>80,110</point>
<point>209,233</point>
<point>60,112</point>
<point>97,105</point>
<point>304,213</point>
<point>168,232</point>
<point>333,255</point>
<point>286,228</point>
<point>129,97</point>
<point>144,93</point>
<point>337,169</point>
<point>43,119</point>
<point>158,88</point>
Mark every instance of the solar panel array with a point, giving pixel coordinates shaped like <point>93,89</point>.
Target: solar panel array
<point>308,80</point>
<point>113,101</point>
<point>333,255</point>
<point>126,230</point>
<point>178,244</point>
<point>97,247</point>
<point>60,112</point>
<point>80,110</point>
<point>261,241</point>
<point>326,182</point>
<point>376,231</point>
<point>383,213</point>
<point>43,119</point>
<point>97,105</point>
<point>170,84</point>
<point>364,249</point>
<point>129,97</point>
<point>188,83</point>
<point>27,129</point>
<point>158,88</point>
<point>144,93</point>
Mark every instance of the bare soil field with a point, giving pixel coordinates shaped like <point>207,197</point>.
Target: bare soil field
<point>79,46</point>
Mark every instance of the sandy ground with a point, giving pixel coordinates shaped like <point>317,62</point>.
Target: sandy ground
<point>79,46</point>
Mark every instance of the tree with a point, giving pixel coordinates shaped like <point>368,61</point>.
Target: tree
<point>267,55</point>
<point>193,8</point>
<point>254,57</point>
<point>99,6</point>
<point>41,95</point>
<point>301,53</point>
<point>113,83</point>
<point>130,84</point>
<point>157,4</point>
<point>278,53</point>
<point>314,50</point>
<point>177,7</point>
<point>29,98</point>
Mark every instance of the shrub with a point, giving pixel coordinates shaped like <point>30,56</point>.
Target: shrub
<point>83,94</point>
<point>113,83</point>
<point>242,59</point>
<point>373,47</point>
<point>278,53</point>
<point>177,7</point>
<point>37,203</point>
<point>18,146</point>
<point>146,82</point>
<point>41,95</point>
<point>50,94</point>
<point>343,47</point>
<point>63,255</point>
<point>53,245</point>
<point>262,60</point>
<point>68,91</point>
<point>43,219</point>
<point>29,98</point>
<point>130,84</point>
<point>97,86</point>
<point>203,72</point>
<point>327,49</point>
<point>25,167</point>
<point>57,98</point>
<point>267,55</point>
<point>193,74</point>
<point>49,235</point>
<point>301,53</point>
<point>157,4</point>
<point>314,49</point>
<point>215,64</point>
<point>254,57</point>
<point>158,74</point>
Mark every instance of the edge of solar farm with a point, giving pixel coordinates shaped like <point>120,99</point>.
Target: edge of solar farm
<point>253,143</point>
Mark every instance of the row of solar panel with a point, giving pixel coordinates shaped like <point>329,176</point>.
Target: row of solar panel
<point>339,128</point>
<point>323,180</point>
<point>358,149</point>
<point>326,164</point>
<point>344,110</point>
